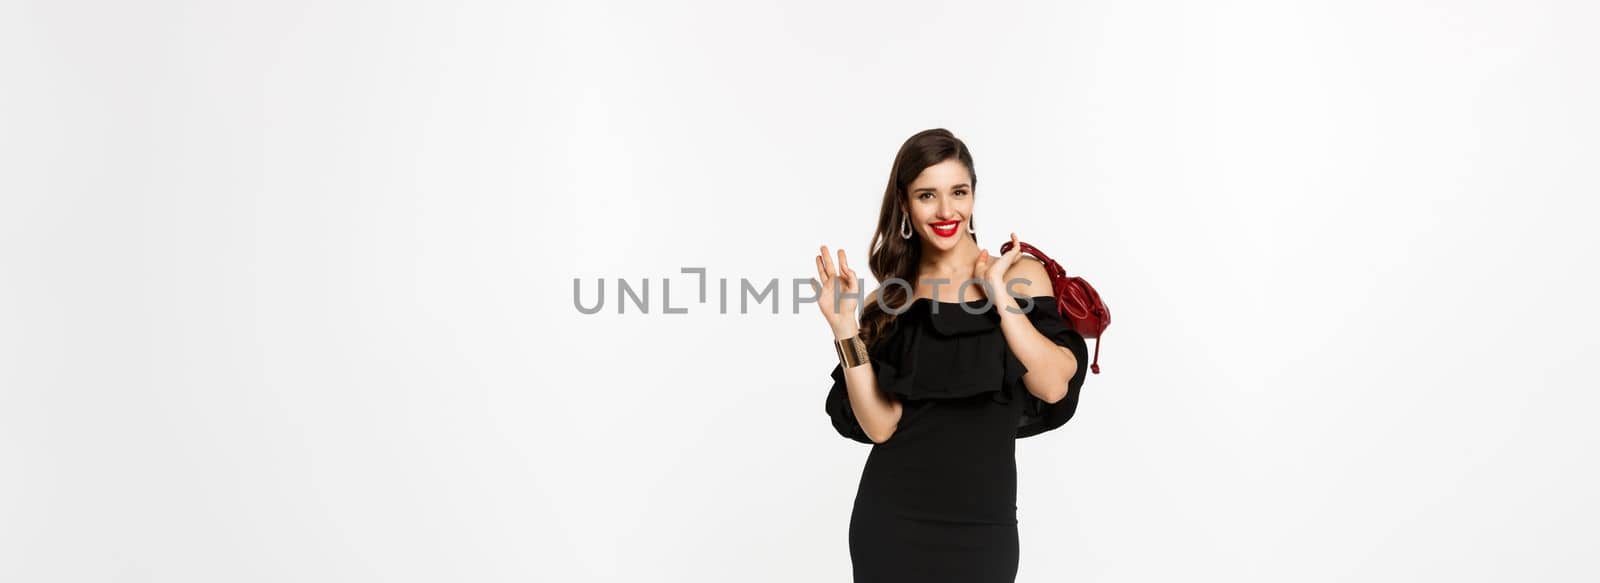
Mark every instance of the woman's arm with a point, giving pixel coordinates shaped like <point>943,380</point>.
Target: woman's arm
<point>1050,366</point>
<point>878,414</point>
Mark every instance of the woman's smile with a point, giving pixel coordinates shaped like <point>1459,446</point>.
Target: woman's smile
<point>945,228</point>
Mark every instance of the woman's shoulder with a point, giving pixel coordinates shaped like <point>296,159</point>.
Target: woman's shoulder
<point>1035,281</point>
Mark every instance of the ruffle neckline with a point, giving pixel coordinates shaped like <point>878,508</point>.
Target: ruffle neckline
<point>948,350</point>
<point>950,353</point>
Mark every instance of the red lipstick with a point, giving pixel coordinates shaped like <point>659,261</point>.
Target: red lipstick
<point>945,228</point>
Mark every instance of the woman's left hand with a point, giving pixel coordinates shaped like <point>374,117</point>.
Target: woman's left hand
<point>993,269</point>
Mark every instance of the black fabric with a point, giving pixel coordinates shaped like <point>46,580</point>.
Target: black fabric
<point>937,500</point>
<point>938,350</point>
<point>1037,415</point>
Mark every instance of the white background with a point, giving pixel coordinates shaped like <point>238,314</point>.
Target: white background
<point>286,287</point>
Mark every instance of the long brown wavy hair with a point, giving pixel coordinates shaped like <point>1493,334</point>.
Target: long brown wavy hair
<point>891,256</point>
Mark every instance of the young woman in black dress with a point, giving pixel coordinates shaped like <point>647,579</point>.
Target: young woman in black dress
<point>956,356</point>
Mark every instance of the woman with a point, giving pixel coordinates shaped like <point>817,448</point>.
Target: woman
<point>956,356</point>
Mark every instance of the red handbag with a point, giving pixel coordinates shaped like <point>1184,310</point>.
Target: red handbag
<point>1079,304</point>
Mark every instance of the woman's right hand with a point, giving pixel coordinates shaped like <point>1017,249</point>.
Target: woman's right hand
<point>838,306</point>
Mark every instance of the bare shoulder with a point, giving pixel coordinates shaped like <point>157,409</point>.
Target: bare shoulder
<point>1027,276</point>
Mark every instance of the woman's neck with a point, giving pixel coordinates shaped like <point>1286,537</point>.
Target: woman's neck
<point>954,265</point>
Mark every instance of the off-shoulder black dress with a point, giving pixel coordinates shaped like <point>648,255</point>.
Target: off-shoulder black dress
<point>937,500</point>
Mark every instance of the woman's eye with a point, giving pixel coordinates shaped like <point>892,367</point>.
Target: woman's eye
<point>961,193</point>
<point>924,195</point>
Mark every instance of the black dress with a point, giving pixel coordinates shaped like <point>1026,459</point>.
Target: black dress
<point>937,500</point>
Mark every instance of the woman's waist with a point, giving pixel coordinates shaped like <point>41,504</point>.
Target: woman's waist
<point>992,501</point>
<point>982,489</point>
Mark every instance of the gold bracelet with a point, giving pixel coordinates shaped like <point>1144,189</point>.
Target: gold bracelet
<point>852,351</point>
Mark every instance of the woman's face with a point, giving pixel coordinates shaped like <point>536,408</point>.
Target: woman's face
<point>940,203</point>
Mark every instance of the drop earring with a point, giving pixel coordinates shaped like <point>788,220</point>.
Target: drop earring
<point>970,228</point>
<point>905,228</point>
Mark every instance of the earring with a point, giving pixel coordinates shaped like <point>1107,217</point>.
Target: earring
<point>970,228</point>
<point>905,228</point>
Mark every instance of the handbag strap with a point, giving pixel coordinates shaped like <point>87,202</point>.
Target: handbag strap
<point>1099,338</point>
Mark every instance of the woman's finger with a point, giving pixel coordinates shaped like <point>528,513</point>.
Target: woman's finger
<point>827,262</point>
<point>821,275</point>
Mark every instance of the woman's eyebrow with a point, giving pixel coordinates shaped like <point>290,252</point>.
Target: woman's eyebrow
<point>932,189</point>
